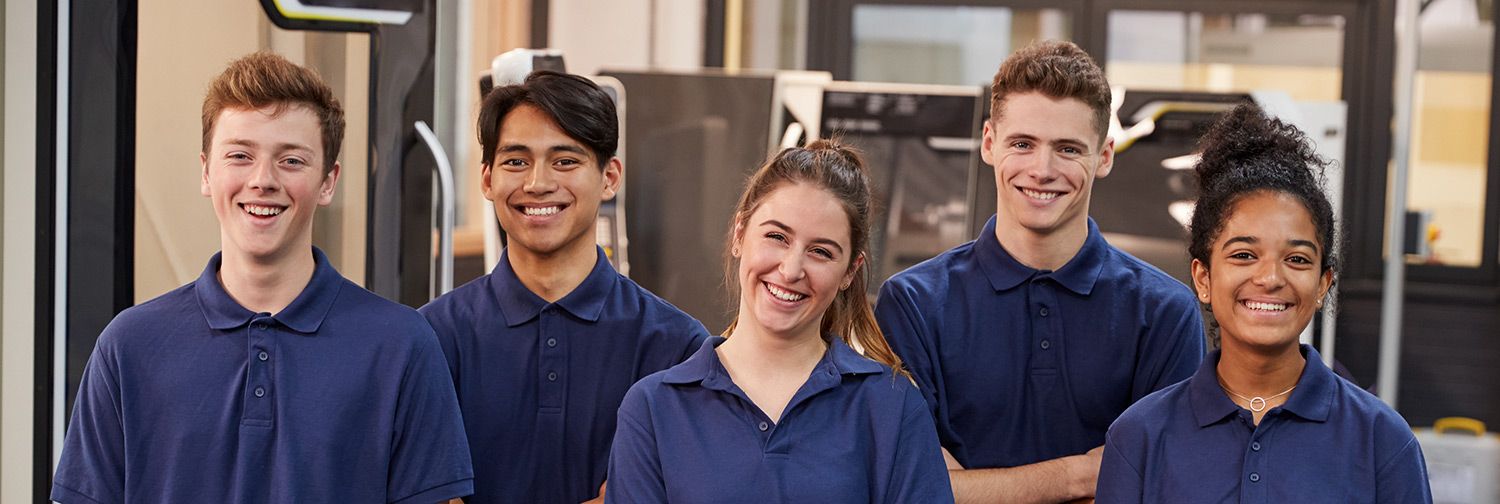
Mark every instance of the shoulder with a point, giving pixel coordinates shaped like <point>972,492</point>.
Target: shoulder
<point>377,317</point>
<point>1143,419</point>
<point>655,311</point>
<point>1147,283</point>
<point>458,304</point>
<point>1388,429</point>
<point>174,308</point>
<point>933,277</point>
<point>641,395</point>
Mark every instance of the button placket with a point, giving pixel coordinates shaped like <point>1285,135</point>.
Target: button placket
<point>551,366</point>
<point>258,401</point>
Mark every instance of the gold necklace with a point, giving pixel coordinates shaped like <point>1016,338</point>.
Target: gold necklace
<point>1252,400</point>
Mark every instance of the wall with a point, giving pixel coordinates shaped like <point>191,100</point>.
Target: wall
<point>17,331</point>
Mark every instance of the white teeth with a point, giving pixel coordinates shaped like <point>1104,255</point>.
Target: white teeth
<point>541,210</point>
<point>784,295</point>
<point>1265,306</point>
<point>263,211</point>
<point>1041,195</point>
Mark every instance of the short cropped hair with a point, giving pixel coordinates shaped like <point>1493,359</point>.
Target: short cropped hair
<point>1057,70</point>
<point>576,104</point>
<point>264,79</point>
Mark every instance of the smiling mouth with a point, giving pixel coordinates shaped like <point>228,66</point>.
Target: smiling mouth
<point>1265,307</point>
<point>783,294</point>
<point>262,210</point>
<point>540,211</point>
<point>1040,195</point>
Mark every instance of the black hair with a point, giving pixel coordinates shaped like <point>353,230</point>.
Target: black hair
<point>1245,153</point>
<point>579,107</point>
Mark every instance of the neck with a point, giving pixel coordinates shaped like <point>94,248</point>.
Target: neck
<point>266,284</point>
<point>1259,372</point>
<point>752,350</point>
<point>553,276</point>
<point>1043,251</point>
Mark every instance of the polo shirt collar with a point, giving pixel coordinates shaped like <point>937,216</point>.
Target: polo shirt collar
<point>1005,272</point>
<point>519,305</point>
<point>305,314</point>
<point>1311,400</point>
<point>704,366</point>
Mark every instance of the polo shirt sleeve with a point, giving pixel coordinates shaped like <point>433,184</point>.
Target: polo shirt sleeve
<point>1120,481</point>
<point>430,452</point>
<point>1403,478</point>
<point>634,462</point>
<point>1173,344</point>
<point>92,466</point>
<point>920,474</point>
<point>904,331</point>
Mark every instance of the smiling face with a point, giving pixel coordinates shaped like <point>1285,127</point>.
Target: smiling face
<point>794,258</point>
<point>546,186</point>
<point>264,175</point>
<point>1265,280</point>
<point>1046,154</point>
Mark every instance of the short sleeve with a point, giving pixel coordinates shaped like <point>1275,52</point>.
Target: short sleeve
<point>1403,478</point>
<point>430,452</point>
<point>92,465</point>
<point>1120,482</point>
<point>901,323</point>
<point>635,473</point>
<point>920,474</point>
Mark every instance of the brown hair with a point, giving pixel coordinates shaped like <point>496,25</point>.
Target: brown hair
<point>265,79</point>
<point>1057,70</point>
<point>839,169</point>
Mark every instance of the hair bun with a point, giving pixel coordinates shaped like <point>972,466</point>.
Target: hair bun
<point>850,156</point>
<point>1245,138</point>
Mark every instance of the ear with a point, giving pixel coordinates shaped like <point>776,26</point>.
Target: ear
<point>736,240</point>
<point>854,268</point>
<point>203,162</point>
<point>1201,282</point>
<point>614,176</point>
<point>1106,158</point>
<point>1324,284</point>
<point>988,144</point>
<point>484,181</point>
<point>330,182</point>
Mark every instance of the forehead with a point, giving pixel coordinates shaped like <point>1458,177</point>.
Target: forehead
<point>1273,217</point>
<point>807,209</point>
<point>1038,115</point>
<point>529,126</point>
<point>291,124</point>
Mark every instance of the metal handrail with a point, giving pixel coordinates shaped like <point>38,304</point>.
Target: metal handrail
<point>447,209</point>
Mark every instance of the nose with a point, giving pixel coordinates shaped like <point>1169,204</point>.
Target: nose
<point>791,266</point>
<point>1042,168</point>
<point>1269,275</point>
<point>540,180</point>
<point>263,176</point>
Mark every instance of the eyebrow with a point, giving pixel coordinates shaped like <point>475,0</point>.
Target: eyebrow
<point>1082,145</point>
<point>279,147</point>
<point>784,227</point>
<point>515,147</point>
<point>1251,240</point>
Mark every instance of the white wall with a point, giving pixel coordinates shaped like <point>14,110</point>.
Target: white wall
<point>18,252</point>
<point>595,34</point>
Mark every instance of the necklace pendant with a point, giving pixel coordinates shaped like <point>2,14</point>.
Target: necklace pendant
<point>1257,404</point>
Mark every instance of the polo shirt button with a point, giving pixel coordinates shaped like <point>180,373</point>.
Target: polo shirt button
<point>1254,477</point>
<point>552,376</point>
<point>1044,311</point>
<point>260,326</point>
<point>1046,344</point>
<point>1255,445</point>
<point>260,392</point>
<point>764,426</point>
<point>263,356</point>
<point>551,342</point>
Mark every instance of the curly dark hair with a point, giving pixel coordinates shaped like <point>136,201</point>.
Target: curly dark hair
<point>1246,152</point>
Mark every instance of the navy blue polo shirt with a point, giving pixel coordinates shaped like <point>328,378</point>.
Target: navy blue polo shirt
<point>1329,442</point>
<point>1022,365</point>
<point>852,433</point>
<point>340,397</point>
<point>539,383</point>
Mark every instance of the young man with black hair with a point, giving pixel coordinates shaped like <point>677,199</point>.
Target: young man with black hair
<point>543,349</point>
<point>1029,341</point>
